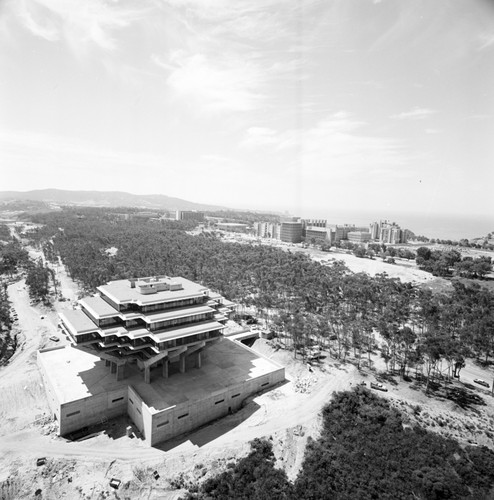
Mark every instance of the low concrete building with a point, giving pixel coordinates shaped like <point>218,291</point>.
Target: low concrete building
<point>359,236</point>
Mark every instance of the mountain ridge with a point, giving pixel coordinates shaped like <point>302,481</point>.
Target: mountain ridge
<point>107,199</point>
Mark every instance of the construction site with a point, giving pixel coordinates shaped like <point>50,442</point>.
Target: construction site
<point>151,349</point>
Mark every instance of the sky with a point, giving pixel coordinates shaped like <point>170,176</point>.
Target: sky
<point>306,106</point>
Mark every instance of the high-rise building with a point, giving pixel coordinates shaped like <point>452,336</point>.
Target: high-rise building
<point>291,230</point>
<point>387,232</point>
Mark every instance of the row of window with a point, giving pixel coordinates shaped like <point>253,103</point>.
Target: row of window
<point>180,321</point>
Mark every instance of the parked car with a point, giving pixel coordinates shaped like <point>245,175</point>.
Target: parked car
<point>378,386</point>
<point>54,338</point>
<point>481,382</point>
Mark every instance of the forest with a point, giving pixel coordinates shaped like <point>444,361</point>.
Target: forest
<point>302,301</point>
<point>367,449</point>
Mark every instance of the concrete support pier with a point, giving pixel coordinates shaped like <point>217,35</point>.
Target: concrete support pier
<point>199,359</point>
<point>181,362</point>
<point>147,374</point>
<point>165,368</point>
<point>121,371</point>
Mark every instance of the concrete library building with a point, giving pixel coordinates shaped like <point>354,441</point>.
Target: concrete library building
<point>152,348</point>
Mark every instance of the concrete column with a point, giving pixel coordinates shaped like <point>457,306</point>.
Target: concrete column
<point>182,363</point>
<point>107,362</point>
<point>165,368</point>
<point>147,374</point>
<point>198,360</point>
<point>120,372</point>
<point>113,367</point>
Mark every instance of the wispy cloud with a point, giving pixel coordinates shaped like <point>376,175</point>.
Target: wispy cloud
<point>59,153</point>
<point>486,40</point>
<point>81,24</point>
<point>233,54</point>
<point>335,147</point>
<point>415,114</point>
<point>227,84</point>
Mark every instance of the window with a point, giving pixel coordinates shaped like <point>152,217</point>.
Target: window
<point>73,413</point>
<point>131,402</point>
<point>236,395</point>
<point>162,424</point>
<point>220,401</point>
<point>265,384</point>
<point>182,416</point>
<point>138,411</point>
<point>118,399</point>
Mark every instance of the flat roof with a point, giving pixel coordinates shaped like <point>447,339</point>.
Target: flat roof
<point>121,292</point>
<point>77,321</point>
<point>98,307</point>
<point>75,375</point>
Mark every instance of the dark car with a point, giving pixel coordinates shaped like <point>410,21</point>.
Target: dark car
<point>481,382</point>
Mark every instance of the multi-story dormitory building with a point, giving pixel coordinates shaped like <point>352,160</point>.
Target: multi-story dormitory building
<point>387,232</point>
<point>151,348</point>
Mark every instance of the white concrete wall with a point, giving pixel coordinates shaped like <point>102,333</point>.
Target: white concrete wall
<point>50,390</point>
<point>186,417</point>
<point>92,410</point>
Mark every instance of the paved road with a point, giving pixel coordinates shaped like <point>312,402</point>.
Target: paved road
<point>473,371</point>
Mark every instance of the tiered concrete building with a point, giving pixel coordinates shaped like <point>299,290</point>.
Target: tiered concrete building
<point>151,348</point>
<point>148,322</point>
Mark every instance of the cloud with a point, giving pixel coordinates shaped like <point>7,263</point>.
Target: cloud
<point>218,85</point>
<point>415,114</point>
<point>80,24</point>
<point>486,40</point>
<point>335,147</point>
<point>38,151</point>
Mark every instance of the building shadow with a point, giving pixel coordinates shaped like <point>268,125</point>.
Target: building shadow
<point>211,431</point>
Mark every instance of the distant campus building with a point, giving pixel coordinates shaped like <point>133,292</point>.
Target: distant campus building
<point>151,348</point>
<point>387,232</point>
<point>318,231</point>
<point>291,230</point>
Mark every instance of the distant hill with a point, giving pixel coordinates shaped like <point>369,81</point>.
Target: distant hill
<point>106,199</point>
